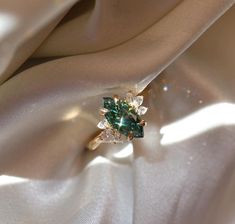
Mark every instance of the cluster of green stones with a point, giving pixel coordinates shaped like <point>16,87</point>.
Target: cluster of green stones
<point>123,117</point>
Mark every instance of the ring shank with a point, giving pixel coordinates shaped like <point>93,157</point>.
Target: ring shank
<point>94,143</point>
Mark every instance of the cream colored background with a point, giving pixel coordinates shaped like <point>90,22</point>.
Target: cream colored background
<point>58,58</point>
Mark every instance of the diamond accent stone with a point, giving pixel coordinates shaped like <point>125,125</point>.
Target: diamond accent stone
<point>142,110</point>
<point>111,136</point>
<point>103,124</point>
<point>137,101</point>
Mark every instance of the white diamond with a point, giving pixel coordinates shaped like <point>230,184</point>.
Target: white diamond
<point>142,110</point>
<point>102,124</point>
<point>111,136</point>
<point>107,135</point>
<point>137,101</point>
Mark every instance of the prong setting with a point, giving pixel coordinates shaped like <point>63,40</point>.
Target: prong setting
<point>122,118</point>
<point>116,98</point>
<point>130,136</point>
<point>143,123</point>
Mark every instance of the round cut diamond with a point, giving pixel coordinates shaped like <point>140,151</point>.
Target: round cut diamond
<point>110,136</point>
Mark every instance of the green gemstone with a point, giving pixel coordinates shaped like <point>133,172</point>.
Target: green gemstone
<point>109,103</point>
<point>123,117</point>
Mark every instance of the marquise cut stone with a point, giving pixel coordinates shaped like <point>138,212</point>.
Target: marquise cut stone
<point>142,110</point>
<point>103,124</point>
<point>123,117</point>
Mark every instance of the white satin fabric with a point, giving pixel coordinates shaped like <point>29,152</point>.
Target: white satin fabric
<point>181,53</point>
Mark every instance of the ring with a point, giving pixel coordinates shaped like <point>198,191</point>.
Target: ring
<point>121,120</point>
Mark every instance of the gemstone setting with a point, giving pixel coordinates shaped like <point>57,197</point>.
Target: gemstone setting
<point>122,118</point>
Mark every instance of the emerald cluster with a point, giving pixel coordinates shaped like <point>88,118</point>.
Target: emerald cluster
<point>123,117</point>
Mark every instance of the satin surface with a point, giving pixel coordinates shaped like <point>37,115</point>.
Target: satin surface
<point>181,54</point>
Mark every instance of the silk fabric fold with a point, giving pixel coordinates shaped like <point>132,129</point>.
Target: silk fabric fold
<point>58,58</point>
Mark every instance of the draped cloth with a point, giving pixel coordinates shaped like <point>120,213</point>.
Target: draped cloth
<point>60,57</point>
